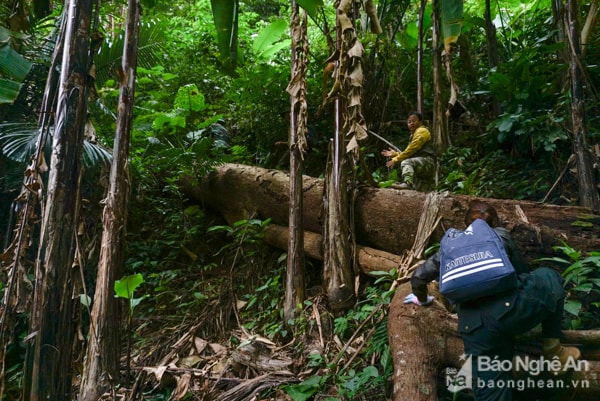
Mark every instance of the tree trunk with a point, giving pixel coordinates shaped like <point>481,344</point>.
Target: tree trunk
<point>490,36</point>
<point>24,214</point>
<point>492,50</point>
<point>588,191</point>
<point>48,366</point>
<point>338,277</point>
<point>439,130</point>
<point>294,290</point>
<point>589,27</point>
<point>422,5</point>
<point>337,262</point>
<point>387,219</point>
<point>101,367</point>
<point>422,342</point>
<point>425,341</point>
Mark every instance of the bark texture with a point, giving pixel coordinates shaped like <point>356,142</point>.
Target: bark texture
<point>423,341</point>
<point>588,191</point>
<point>101,366</point>
<point>48,365</point>
<point>294,287</point>
<point>387,219</point>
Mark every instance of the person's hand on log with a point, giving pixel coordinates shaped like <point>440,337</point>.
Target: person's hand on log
<point>412,299</point>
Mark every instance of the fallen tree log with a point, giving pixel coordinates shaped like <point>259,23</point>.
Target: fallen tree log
<point>422,340</point>
<point>369,259</point>
<point>425,341</point>
<point>387,219</point>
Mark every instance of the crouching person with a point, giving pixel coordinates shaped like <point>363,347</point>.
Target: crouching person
<point>489,325</point>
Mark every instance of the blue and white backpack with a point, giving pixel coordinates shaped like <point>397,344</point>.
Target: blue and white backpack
<point>474,264</point>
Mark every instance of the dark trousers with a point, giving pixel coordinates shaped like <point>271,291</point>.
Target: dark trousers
<point>540,300</point>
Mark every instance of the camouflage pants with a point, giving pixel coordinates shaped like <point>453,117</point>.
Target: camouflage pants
<point>419,171</point>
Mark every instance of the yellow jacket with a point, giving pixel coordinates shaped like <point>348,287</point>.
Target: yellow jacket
<point>418,139</point>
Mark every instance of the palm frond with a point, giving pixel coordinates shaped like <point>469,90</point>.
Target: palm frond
<point>18,142</point>
<point>150,49</point>
<point>95,155</point>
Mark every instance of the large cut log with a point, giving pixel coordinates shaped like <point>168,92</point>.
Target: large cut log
<point>387,219</point>
<point>369,259</point>
<point>424,342</point>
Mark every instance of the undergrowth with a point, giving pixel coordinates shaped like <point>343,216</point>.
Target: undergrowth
<point>221,281</point>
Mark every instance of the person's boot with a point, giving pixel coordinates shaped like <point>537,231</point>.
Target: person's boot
<point>566,355</point>
<point>408,183</point>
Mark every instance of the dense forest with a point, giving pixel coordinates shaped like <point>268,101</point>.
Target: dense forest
<point>126,126</point>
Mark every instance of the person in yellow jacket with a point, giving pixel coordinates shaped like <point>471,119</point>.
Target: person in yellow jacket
<point>417,161</point>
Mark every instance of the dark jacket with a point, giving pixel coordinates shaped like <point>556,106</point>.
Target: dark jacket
<point>469,313</point>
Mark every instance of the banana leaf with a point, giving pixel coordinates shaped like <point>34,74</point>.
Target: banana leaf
<point>452,18</point>
<point>9,90</point>
<point>13,67</point>
<point>267,43</point>
<point>225,16</point>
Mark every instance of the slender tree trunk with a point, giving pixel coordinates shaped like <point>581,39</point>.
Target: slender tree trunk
<point>439,128</point>
<point>337,272</point>
<point>420,57</point>
<point>588,192</point>
<point>101,367</point>
<point>48,370</point>
<point>490,36</point>
<point>588,27</point>
<point>17,295</point>
<point>294,294</point>
<point>492,47</point>
<point>558,11</point>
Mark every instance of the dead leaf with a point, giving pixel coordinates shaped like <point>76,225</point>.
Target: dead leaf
<point>157,371</point>
<point>183,383</point>
<point>200,344</point>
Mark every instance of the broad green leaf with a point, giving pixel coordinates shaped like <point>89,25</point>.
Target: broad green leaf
<point>505,125</point>
<point>585,287</point>
<point>4,35</point>
<point>125,287</point>
<point>12,64</point>
<point>311,6</point>
<point>269,35</point>
<point>303,391</point>
<point>573,307</point>
<point>136,301</point>
<point>189,97</point>
<point>410,36</point>
<point>272,50</point>
<point>168,118</point>
<point>9,90</point>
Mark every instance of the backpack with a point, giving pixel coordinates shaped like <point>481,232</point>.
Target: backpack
<point>474,264</point>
